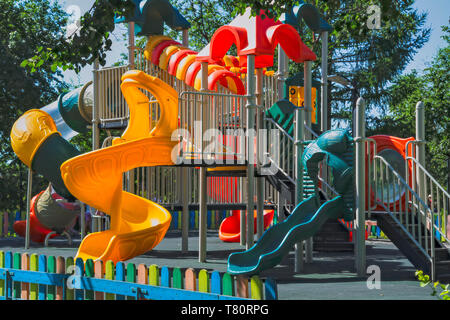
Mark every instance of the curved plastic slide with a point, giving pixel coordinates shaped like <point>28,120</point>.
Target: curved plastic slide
<point>229,230</point>
<point>306,219</point>
<point>137,224</point>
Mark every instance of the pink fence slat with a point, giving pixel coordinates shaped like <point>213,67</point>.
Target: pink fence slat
<point>98,273</point>
<point>190,280</point>
<point>25,287</point>
<point>60,269</point>
<point>242,286</point>
<point>142,275</point>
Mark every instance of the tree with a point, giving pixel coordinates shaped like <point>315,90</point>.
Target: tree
<point>432,88</point>
<point>25,28</point>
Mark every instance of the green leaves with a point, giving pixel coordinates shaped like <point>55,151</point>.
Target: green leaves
<point>425,281</point>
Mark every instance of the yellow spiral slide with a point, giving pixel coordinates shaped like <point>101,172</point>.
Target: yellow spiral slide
<point>95,178</point>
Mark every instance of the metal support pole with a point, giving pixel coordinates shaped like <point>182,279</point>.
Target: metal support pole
<point>360,189</point>
<point>307,136</point>
<point>29,191</point>
<point>299,136</point>
<point>185,185</point>
<point>420,148</point>
<point>96,109</point>
<point>324,91</point>
<point>202,212</point>
<point>251,104</point>
<point>259,152</point>
<point>185,211</point>
<point>282,75</point>
<point>282,71</point>
<point>131,44</point>
<point>185,38</point>
<point>82,219</point>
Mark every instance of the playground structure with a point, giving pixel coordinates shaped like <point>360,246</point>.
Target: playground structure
<point>275,150</point>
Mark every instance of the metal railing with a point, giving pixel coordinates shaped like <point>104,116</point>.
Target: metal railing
<point>406,208</point>
<point>437,198</point>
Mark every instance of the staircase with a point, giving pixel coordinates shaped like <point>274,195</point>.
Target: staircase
<point>416,228</point>
<point>332,237</point>
<point>411,248</point>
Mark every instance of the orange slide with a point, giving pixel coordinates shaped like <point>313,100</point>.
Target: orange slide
<point>95,178</point>
<point>229,230</point>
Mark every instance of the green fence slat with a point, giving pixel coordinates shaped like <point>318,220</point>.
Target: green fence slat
<point>51,268</point>
<point>17,259</point>
<point>131,276</point>
<point>227,285</point>
<point>70,293</point>
<point>89,272</point>
<point>177,278</point>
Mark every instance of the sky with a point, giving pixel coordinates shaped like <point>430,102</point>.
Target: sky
<point>438,15</point>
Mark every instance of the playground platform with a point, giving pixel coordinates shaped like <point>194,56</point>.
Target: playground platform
<point>331,276</point>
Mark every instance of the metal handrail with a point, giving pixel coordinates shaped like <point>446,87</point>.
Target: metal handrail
<point>424,215</point>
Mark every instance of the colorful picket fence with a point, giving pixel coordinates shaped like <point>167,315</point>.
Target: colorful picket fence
<point>38,277</point>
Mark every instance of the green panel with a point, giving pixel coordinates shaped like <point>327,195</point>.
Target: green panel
<point>68,107</point>
<point>48,159</point>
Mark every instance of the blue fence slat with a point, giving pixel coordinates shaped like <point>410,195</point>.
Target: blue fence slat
<point>165,277</point>
<point>270,289</point>
<point>8,259</point>
<point>120,276</point>
<point>208,219</point>
<point>174,222</point>
<point>42,267</point>
<point>79,271</point>
<point>191,219</point>
<point>216,282</point>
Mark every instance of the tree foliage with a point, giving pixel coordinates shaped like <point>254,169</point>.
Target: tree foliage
<point>432,88</point>
<point>25,28</point>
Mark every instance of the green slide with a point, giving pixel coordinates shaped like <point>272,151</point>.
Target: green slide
<point>276,242</point>
<point>335,149</point>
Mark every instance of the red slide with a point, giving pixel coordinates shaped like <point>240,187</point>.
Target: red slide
<point>229,230</point>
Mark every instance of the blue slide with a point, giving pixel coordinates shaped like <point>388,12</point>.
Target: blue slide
<point>306,219</point>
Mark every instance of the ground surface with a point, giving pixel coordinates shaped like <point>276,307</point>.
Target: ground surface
<point>331,275</point>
